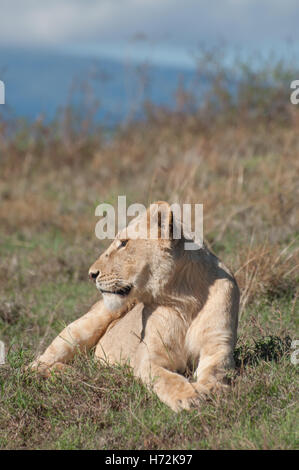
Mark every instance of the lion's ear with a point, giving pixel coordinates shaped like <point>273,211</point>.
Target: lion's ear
<point>164,218</point>
<point>161,220</point>
<point>165,222</point>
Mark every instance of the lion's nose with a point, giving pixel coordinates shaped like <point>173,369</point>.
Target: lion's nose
<point>93,275</point>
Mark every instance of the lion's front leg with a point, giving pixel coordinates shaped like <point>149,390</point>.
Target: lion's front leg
<point>212,336</point>
<point>160,356</point>
<point>172,388</point>
<point>82,334</point>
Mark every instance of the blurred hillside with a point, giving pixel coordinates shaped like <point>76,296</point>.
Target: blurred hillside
<point>40,83</point>
<point>235,150</point>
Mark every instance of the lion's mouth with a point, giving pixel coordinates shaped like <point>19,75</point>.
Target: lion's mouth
<point>124,291</point>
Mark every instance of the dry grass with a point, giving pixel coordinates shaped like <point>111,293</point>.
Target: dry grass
<point>246,179</point>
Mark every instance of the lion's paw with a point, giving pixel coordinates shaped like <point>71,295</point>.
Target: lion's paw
<point>44,369</point>
<point>185,401</point>
<point>188,403</point>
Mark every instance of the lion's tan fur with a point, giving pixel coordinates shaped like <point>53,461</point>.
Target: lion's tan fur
<point>182,311</point>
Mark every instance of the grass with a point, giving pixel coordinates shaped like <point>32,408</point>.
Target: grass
<point>89,408</point>
<point>242,163</point>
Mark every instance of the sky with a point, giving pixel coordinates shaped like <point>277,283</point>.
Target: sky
<point>166,31</point>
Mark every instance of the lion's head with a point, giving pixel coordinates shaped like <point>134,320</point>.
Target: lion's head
<point>140,261</point>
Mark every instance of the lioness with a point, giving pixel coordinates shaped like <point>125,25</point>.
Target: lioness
<point>164,309</point>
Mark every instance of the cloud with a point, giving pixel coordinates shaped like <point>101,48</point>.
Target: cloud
<point>185,22</point>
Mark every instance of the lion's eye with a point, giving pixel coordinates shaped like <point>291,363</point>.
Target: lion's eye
<point>123,243</point>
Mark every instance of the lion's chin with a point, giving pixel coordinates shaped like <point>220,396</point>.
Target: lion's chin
<point>114,301</point>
